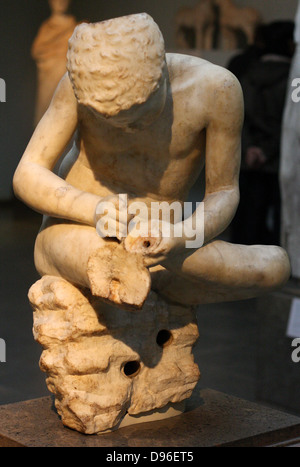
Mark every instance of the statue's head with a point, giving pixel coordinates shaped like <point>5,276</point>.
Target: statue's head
<point>118,65</point>
<point>59,6</point>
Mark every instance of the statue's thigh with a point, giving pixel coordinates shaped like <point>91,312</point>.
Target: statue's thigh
<point>222,271</point>
<point>63,249</point>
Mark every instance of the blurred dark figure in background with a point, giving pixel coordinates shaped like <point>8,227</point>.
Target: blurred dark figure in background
<point>239,64</point>
<point>264,84</point>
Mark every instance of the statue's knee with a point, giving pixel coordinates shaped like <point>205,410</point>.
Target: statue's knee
<point>279,268</point>
<point>284,266</point>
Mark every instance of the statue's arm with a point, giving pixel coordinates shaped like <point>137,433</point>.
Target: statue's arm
<point>223,153</point>
<point>222,107</point>
<point>34,182</point>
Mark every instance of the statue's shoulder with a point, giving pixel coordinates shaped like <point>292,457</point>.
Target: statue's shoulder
<point>194,81</point>
<point>199,72</point>
<point>65,88</point>
<point>64,98</point>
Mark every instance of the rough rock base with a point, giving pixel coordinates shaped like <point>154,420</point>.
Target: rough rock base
<point>104,363</point>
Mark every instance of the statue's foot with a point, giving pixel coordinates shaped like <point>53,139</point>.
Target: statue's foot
<point>119,277</point>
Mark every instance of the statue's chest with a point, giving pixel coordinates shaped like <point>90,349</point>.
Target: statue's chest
<point>142,159</point>
<point>136,165</point>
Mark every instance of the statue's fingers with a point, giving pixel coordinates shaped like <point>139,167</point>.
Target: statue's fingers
<point>109,228</point>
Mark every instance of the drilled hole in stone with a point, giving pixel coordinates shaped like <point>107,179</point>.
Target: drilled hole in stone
<point>147,244</point>
<point>164,338</point>
<point>131,369</point>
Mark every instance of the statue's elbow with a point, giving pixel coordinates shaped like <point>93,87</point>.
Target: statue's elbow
<point>18,182</point>
<point>234,201</point>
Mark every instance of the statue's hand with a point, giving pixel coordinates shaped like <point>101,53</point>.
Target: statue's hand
<point>155,243</point>
<point>112,218</point>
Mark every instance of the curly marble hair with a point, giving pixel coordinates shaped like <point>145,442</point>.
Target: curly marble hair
<point>116,64</point>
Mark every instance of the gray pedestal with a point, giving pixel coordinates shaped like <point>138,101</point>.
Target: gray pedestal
<point>278,377</point>
<point>218,420</point>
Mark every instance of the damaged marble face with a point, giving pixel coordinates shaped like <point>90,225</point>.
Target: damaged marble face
<point>139,116</point>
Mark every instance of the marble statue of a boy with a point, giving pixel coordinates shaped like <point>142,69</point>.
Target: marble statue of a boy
<point>145,123</point>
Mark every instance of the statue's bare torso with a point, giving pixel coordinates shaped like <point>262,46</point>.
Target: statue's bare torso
<point>162,161</point>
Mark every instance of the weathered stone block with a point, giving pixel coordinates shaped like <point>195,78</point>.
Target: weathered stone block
<point>104,363</point>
